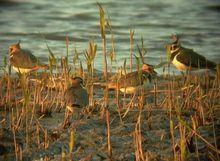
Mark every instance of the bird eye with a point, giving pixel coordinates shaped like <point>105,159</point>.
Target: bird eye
<point>10,50</point>
<point>173,47</point>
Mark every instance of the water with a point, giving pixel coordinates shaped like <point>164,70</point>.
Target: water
<point>196,21</point>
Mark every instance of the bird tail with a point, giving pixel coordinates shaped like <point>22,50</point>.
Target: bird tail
<point>44,66</point>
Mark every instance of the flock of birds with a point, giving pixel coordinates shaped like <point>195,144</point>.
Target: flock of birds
<point>184,59</point>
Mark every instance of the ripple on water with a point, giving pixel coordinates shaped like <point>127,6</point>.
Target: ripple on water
<point>198,22</point>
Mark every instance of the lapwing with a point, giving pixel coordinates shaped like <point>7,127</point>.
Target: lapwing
<point>76,95</point>
<point>134,81</point>
<point>22,60</point>
<point>185,59</point>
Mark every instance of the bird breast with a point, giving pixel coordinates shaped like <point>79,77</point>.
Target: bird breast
<point>21,70</point>
<point>76,96</point>
<point>180,66</point>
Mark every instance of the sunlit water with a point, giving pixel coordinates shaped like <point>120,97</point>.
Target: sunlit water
<point>197,21</point>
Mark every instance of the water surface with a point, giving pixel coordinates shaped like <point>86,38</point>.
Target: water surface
<point>196,21</point>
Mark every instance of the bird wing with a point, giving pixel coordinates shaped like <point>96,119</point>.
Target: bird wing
<point>76,97</point>
<point>190,58</point>
<point>70,97</point>
<point>130,79</point>
<point>84,97</point>
<point>133,79</point>
<point>23,59</point>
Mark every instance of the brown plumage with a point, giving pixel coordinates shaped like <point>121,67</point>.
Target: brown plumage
<point>22,60</point>
<point>185,58</point>
<point>76,95</point>
<point>134,81</point>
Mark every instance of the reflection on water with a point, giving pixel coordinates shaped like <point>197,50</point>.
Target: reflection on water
<point>197,21</point>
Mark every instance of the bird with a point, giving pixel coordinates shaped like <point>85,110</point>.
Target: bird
<point>185,59</point>
<point>76,95</point>
<point>22,60</point>
<point>134,81</point>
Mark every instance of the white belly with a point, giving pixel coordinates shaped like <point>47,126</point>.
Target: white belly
<point>131,90</point>
<point>179,65</point>
<point>128,90</point>
<point>21,70</point>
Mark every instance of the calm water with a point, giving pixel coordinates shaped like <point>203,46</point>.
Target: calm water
<point>198,21</point>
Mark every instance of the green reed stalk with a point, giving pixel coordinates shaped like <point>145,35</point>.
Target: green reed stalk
<point>149,116</point>
<point>125,71</point>
<point>183,123</point>
<point>139,154</point>
<point>131,48</point>
<point>81,71</point>
<point>196,140</point>
<point>75,59</point>
<point>46,139</point>
<point>67,47</point>
<point>172,139</point>
<point>14,135</point>
<point>112,52</point>
<point>155,94</point>
<point>103,35</point>
<point>141,50</point>
<point>52,58</point>
<point>182,142</point>
<point>26,96</point>
<point>71,143</point>
<point>63,155</point>
<point>90,56</point>
<point>7,74</point>
<point>65,70</point>
<point>108,135</point>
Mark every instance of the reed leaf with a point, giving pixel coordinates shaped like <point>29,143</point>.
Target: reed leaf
<point>102,20</point>
<point>5,62</point>
<point>124,66</point>
<point>71,143</point>
<point>112,52</point>
<point>131,48</point>
<point>138,62</point>
<point>52,59</point>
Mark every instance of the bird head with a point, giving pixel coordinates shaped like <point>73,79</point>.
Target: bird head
<point>173,47</point>
<point>148,69</point>
<point>14,48</point>
<point>175,44</point>
<point>77,82</point>
<point>146,77</point>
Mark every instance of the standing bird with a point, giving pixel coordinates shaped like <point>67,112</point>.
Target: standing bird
<point>134,81</point>
<point>22,60</point>
<point>76,95</point>
<point>75,98</point>
<point>186,59</point>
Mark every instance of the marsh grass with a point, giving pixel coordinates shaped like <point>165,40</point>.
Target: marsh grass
<point>131,48</point>
<point>90,55</point>
<point>187,105</point>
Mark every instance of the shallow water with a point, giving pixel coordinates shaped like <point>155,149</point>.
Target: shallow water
<point>196,21</point>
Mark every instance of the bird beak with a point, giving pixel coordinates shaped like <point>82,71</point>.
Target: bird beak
<point>83,84</point>
<point>18,44</point>
<point>19,41</point>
